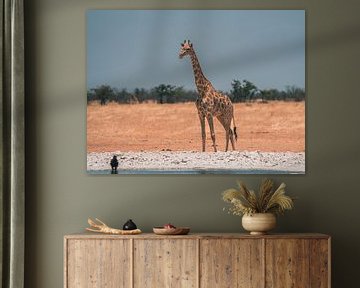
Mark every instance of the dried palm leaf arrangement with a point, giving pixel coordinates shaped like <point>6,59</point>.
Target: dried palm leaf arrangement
<point>268,200</point>
<point>101,227</point>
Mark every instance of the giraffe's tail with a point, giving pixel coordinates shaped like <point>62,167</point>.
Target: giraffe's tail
<point>235,134</point>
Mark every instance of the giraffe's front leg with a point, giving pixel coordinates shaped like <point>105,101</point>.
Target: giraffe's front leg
<point>212,131</point>
<point>203,133</point>
<point>232,139</point>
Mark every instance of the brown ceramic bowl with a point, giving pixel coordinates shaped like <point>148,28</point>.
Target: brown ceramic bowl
<point>171,231</point>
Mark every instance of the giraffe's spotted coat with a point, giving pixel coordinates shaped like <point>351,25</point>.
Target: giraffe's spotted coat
<point>210,103</point>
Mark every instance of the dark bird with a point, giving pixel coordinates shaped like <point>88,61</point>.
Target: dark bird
<point>114,163</point>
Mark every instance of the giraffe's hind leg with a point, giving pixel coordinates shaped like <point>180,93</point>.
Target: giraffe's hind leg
<point>229,135</point>
<point>228,132</point>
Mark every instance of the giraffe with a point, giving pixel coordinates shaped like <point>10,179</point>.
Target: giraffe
<point>210,103</point>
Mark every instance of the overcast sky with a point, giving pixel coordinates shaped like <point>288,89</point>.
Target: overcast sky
<point>134,48</point>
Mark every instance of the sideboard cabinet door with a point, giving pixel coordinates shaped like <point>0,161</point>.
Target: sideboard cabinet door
<point>297,263</point>
<point>320,263</point>
<point>231,263</point>
<point>170,263</point>
<point>98,263</point>
<point>287,263</point>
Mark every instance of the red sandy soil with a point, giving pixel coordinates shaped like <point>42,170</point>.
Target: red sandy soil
<point>273,127</point>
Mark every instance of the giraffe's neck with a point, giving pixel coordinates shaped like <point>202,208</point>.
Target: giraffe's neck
<point>201,82</point>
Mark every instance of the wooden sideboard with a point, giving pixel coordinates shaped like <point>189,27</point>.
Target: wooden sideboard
<point>197,260</point>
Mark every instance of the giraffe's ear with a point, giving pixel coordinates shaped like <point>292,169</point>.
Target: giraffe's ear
<point>190,44</point>
<point>182,44</point>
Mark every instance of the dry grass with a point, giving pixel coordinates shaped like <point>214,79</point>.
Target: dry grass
<point>275,126</point>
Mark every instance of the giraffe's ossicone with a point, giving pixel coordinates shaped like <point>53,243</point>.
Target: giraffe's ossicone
<point>210,103</point>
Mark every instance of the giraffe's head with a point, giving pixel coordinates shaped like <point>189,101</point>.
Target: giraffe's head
<point>186,48</point>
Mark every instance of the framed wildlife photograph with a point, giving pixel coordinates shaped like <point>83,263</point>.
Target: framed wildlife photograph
<point>196,91</point>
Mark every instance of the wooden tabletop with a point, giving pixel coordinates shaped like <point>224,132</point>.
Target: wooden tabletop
<point>89,235</point>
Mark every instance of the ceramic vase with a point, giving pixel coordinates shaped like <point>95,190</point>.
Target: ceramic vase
<point>259,223</point>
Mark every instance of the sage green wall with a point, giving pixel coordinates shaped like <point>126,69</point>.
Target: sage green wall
<point>60,196</point>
